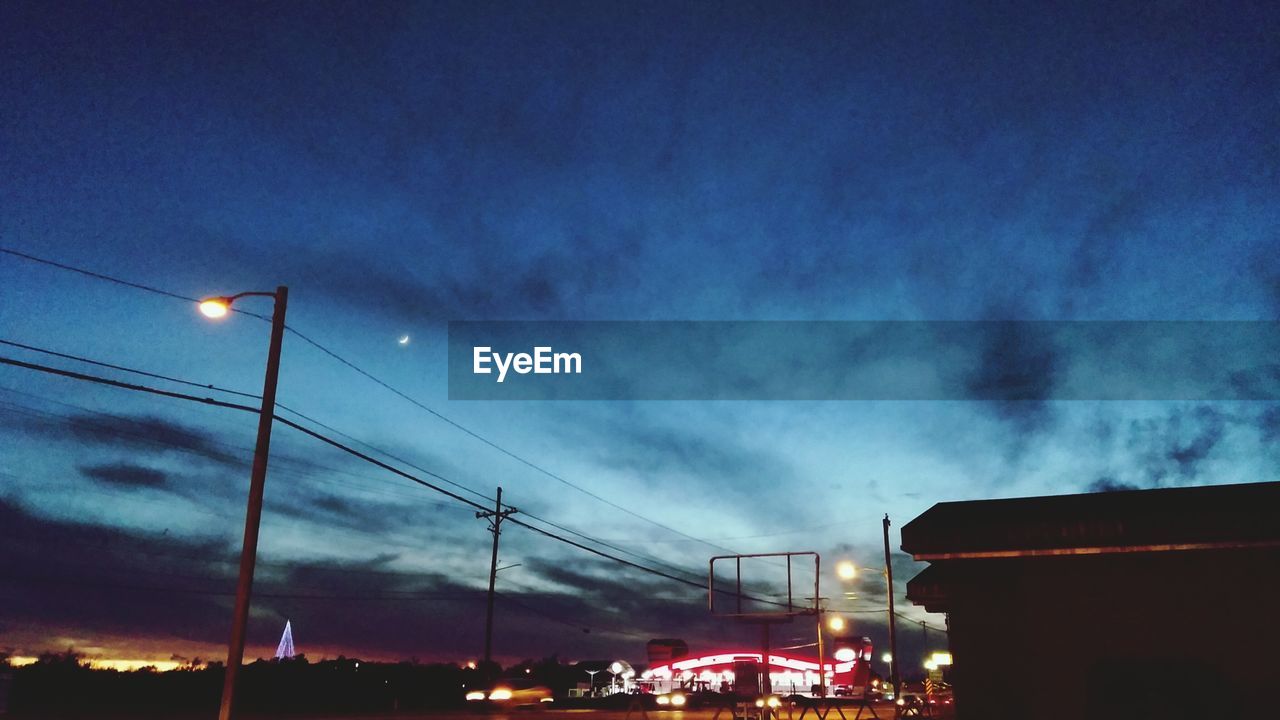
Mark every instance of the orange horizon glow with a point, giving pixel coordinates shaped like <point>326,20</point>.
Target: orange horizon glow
<point>121,664</point>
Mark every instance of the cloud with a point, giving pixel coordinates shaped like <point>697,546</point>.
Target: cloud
<point>1109,484</point>
<point>139,432</point>
<point>155,588</point>
<point>125,474</point>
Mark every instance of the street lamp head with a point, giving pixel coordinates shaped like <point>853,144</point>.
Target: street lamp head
<point>215,307</point>
<point>846,570</point>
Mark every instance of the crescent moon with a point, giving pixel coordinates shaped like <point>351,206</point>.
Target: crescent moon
<point>404,340</point>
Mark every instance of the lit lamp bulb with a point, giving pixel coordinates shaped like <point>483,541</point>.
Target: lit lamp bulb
<point>214,307</point>
<point>846,570</point>
<point>836,623</point>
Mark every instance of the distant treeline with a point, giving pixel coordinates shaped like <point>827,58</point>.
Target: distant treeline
<point>63,685</point>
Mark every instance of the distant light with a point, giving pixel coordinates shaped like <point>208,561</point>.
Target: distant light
<point>845,654</point>
<point>886,658</point>
<point>500,694</point>
<point>471,665</point>
<point>677,700</point>
<point>836,623</point>
<point>214,307</point>
<point>930,665</point>
<point>404,340</point>
<point>528,670</point>
<point>941,658</point>
<point>664,700</point>
<point>846,570</point>
<point>475,695</point>
<point>615,668</point>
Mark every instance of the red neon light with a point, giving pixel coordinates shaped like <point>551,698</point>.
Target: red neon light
<point>782,662</point>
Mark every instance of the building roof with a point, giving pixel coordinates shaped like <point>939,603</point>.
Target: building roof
<point>1220,516</point>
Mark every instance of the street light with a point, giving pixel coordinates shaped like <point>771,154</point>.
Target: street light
<point>219,307</point>
<point>848,571</point>
<point>836,623</point>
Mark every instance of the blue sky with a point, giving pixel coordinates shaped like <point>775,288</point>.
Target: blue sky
<point>400,166</point>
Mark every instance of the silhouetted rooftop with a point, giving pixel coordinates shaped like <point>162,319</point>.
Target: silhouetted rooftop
<point>1165,519</point>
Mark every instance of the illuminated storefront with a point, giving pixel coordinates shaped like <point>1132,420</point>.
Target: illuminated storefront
<point>787,675</point>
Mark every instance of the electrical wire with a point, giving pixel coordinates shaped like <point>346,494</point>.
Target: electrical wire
<point>312,420</point>
<point>351,365</point>
<point>349,450</point>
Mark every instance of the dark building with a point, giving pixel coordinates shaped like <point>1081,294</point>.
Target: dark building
<point>1138,604</point>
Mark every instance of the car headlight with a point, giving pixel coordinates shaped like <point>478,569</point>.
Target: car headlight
<point>546,699</point>
<point>678,700</point>
<point>664,700</point>
<point>773,701</point>
<point>475,695</point>
<point>500,694</point>
<point>901,701</point>
<point>759,702</point>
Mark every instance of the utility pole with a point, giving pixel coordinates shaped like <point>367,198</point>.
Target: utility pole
<point>253,513</point>
<point>820,611</point>
<point>893,625</point>
<point>495,519</point>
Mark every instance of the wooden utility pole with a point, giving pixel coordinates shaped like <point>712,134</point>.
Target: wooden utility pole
<point>495,519</point>
<point>893,625</point>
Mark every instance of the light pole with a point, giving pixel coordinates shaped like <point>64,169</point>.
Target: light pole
<point>218,307</point>
<point>846,570</point>
<point>592,691</point>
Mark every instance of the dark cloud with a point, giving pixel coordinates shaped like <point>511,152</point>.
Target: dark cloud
<point>1269,424</point>
<point>1109,484</point>
<point>1016,375</point>
<point>125,474</point>
<point>155,586</point>
<point>1208,428</point>
<point>63,573</point>
<point>130,433</point>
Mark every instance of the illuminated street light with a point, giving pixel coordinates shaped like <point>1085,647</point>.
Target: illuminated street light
<point>219,307</point>
<point>846,570</point>
<point>215,307</point>
<point>836,623</point>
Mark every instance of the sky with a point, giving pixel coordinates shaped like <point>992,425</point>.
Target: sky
<point>402,165</point>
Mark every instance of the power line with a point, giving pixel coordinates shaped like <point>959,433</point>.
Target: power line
<point>501,449</point>
<point>345,448</point>
<point>312,420</point>
<point>80,582</point>
<point>293,466</point>
<point>532,465</point>
<point>121,368</point>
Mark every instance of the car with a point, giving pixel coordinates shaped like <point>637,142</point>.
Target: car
<point>513,692</point>
<point>671,701</point>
